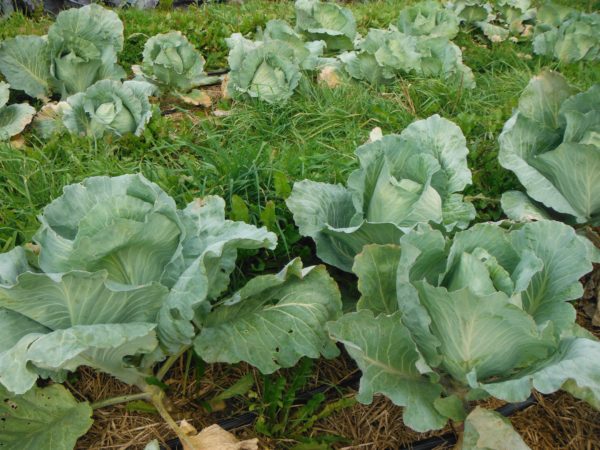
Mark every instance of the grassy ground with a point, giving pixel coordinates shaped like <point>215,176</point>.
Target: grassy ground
<point>259,150</point>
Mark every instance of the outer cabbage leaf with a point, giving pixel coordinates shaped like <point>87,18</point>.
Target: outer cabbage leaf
<point>268,71</point>
<point>551,143</point>
<point>428,18</point>
<point>489,430</point>
<point>42,417</point>
<point>25,63</point>
<point>84,43</point>
<point>567,35</point>
<point>110,107</point>
<point>391,365</point>
<point>172,62</point>
<point>326,22</point>
<point>13,118</point>
<point>573,367</point>
<point>404,180</point>
<point>274,320</point>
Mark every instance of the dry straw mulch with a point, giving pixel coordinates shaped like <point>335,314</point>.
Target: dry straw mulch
<point>557,421</point>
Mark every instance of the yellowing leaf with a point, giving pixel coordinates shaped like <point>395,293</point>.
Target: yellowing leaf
<point>214,438</point>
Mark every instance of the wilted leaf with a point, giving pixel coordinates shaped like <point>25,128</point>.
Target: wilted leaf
<point>215,438</point>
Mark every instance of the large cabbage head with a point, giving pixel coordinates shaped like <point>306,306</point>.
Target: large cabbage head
<point>123,276</point>
<point>326,21</point>
<point>80,49</point>
<point>552,144</point>
<point>428,18</point>
<point>567,35</point>
<point>172,62</point>
<point>403,180</point>
<point>13,118</point>
<point>267,70</point>
<point>443,323</point>
<point>84,43</point>
<point>110,107</point>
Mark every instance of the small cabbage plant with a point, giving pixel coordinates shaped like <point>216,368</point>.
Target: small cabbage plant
<point>567,34</point>
<point>326,21</point>
<point>122,278</point>
<point>13,118</point>
<point>498,19</point>
<point>404,179</point>
<point>267,70</point>
<point>81,48</point>
<point>552,144</point>
<point>444,323</point>
<point>428,18</point>
<point>172,63</point>
<point>109,107</point>
<point>385,54</point>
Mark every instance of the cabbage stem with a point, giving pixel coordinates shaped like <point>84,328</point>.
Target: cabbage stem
<point>158,401</point>
<point>120,399</point>
<point>169,362</point>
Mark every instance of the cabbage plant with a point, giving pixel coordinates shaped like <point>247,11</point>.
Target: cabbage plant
<point>567,34</point>
<point>443,323</point>
<point>172,63</point>
<point>122,278</point>
<point>81,48</point>
<point>385,54</point>
<point>498,19</point>
<point>552,144</point>
<point>13,118</point>
<point>109,107</point>
<point>326,21</point>
<point>403,180</point>
<point>267,70</point>
<point>428,18</point>
<point>308,55</point>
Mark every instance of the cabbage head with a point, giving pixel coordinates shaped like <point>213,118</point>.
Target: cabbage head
<point>443,323</point>
<point>384,55</point>
<point>171,62</point>
<point>498,20</point>
<point>428,18</point>
<point>308,55</point>
<point>123,277</point>
<point>110,107</point>
<point>13,118</point>
<point>403,180</point>
<point>566,34</point>
<point>267,70</point>
<point>81,48</point>
<point>326,21</point>
<point>552,144</point>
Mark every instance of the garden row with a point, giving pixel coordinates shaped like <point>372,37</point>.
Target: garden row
<point>77,60</point>
<point>121,280</point>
